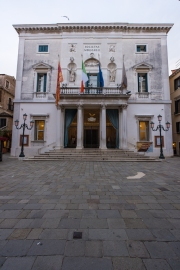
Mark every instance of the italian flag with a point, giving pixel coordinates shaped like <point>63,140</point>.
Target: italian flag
<point>84,78</point>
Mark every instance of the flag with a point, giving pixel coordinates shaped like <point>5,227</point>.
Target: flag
<point>59,80</point>
<point>124,78</point>
<point>101,80</point>
<point>84,78</point>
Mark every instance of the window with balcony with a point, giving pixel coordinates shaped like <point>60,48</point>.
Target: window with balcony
<point>176,83</point>
<point>143,130</point>
<point>41,82</point>
<point>142,82</point>
<point>39,130</point>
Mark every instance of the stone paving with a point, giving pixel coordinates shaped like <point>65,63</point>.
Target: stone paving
<point>126,224</point>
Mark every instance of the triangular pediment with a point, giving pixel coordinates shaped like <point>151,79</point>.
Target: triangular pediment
<point>143,65</point>
<point>41,65</point>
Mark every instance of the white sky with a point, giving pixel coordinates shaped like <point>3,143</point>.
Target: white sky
<point>50,11</point>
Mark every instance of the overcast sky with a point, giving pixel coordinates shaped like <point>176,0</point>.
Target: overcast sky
<point>50,11</point>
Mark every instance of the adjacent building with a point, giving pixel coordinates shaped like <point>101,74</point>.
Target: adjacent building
<point>7,90</point>
<point>174,79</point>
<point>103,116</point>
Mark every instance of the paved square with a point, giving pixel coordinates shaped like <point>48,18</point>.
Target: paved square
<point>127,224</point>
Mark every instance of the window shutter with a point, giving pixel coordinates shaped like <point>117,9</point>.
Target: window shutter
<point>37,82</point>
<point>98,80</point>
<point>45,79</point>
<point>146,83</point>
<point>138,83</point>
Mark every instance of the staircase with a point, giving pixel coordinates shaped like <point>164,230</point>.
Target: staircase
<point>72,154</point>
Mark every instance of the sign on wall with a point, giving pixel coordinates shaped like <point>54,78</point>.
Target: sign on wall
<point>92,48</point>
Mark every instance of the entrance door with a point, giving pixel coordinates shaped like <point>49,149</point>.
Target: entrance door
<point>91,138</point>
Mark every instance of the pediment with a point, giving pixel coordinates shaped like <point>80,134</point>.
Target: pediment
<point>41,65</point>
<point>143,66</point>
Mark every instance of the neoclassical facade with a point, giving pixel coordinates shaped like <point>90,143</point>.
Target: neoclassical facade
<point>101,117</point>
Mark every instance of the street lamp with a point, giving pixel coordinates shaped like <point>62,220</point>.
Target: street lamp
<point>160,127</point>
<point>23,126</point>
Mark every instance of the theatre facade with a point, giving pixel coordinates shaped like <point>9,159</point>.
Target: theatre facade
<point>107,117</point>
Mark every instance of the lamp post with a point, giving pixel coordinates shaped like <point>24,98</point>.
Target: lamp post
<point>24,125</point>
<point>160,127</point>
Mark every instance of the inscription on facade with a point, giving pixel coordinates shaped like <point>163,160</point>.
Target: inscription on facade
<point>92,48</point>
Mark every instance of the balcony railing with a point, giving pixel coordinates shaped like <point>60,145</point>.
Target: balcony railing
<point>10,107</point>
<point>91,91</point>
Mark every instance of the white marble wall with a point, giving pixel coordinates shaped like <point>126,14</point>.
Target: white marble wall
<point>60,44</point>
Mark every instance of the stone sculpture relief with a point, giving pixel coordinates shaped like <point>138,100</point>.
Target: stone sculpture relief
<point>111,48</point>
<point>91,63</point>
<point>112,70</point>
<point>72,76</point>
<point>72,70</point>
<point>72,48</point>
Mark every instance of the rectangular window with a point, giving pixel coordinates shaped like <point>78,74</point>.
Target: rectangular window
<point>141,48</point>
<point>43,48</point>
<point>177,106</point>
<point>178,127</point>
<point>7,84</point>
<point>39,130</point>
<point>176,83</point>
<point>2,122</point>
<point>142,82</point>
<point>143,130</point>
<point>41,82</point>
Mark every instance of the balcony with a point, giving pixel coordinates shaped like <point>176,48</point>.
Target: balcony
<point>10,107</point>
<point>91,91</point>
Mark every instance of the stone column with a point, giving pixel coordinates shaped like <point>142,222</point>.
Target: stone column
<point>60,127</point>
<point>120,127</point>
<point>103,128</point>
<point>79,127</point>
<point>124,127</point>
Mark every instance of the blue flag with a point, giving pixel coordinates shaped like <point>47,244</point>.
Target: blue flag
<point>101,80</point>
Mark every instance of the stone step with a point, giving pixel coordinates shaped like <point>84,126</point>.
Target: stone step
<point>91,155</point>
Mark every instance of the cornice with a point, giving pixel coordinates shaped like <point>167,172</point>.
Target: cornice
<point>70,27</point>
<point>175,73</point>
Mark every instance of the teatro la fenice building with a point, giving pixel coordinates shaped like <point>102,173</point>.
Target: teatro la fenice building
<point>101,117</point>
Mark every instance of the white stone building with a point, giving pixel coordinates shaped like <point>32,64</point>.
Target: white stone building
<point>101,117</point>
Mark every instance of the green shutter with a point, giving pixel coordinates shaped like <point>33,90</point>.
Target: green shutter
<point>98,80</point>
<point>146,83</point>
<point>37,82</point>
<point>138,82</point>
<point>45,79</point>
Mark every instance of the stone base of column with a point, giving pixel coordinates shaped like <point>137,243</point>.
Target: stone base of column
<point>79,147</point>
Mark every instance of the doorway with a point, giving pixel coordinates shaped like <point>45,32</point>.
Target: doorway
<point>91,128</point>
<point>91,138</point>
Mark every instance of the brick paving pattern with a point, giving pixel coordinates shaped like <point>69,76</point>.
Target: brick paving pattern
<point>126,224</point>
